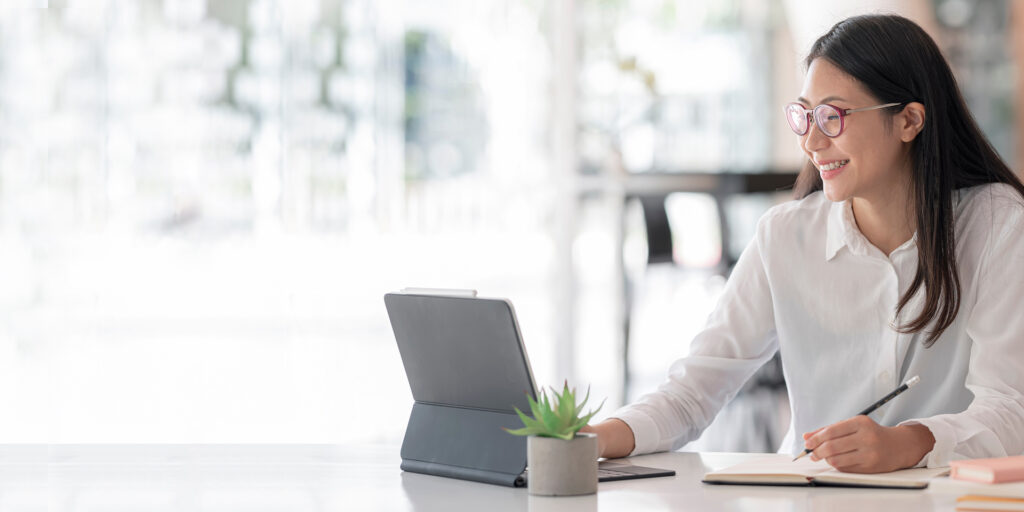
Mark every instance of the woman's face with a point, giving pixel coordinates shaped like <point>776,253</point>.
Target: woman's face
<point>870,156</point>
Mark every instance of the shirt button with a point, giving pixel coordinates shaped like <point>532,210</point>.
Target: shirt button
<point>885,377</point>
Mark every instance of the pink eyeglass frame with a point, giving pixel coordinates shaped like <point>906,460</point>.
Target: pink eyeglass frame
<point>843,112</point>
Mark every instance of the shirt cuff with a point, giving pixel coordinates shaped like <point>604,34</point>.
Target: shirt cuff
<point>945,440</point>
<point>645,431</point>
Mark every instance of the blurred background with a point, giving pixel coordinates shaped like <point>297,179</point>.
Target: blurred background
<point>202,202</point>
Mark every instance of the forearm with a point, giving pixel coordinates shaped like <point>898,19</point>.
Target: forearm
<point>614,438</point>
<point>990,427</point>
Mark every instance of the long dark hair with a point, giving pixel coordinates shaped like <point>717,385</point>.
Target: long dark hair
<point>897,61</point>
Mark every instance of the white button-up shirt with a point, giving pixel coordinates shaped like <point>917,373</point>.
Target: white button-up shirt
<point>811,286</point>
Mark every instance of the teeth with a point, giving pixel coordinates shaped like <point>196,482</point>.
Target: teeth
<point>834,165</point>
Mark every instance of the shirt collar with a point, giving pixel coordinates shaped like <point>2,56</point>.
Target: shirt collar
<point>843,231</point>
<point>840,225</point>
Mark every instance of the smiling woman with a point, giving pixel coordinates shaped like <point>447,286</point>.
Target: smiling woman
<point>899,256</point>
<point>918,171</point>
<point>867,161</point>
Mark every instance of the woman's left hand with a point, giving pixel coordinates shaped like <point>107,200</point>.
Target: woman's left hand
<point>859,445</point>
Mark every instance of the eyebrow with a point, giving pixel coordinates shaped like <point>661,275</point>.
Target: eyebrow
<point>825,100</point>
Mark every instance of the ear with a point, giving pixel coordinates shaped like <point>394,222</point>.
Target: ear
<point>910,121</point>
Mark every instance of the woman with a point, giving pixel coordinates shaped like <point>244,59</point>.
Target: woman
<point>902,256</point>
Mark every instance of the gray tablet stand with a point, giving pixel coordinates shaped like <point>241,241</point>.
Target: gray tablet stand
<point>464,443</point>
<point>467,369</point>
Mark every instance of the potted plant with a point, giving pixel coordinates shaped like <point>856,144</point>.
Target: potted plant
<point>560,460</point>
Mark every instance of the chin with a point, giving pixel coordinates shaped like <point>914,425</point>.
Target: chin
<point>835,194</point>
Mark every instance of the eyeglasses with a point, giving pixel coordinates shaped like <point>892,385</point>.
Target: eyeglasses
<point>829,118</point>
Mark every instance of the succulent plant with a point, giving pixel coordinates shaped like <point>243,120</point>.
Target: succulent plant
<point>557,417</point>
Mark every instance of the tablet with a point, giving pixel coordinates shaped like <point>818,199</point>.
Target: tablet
<point>468,370</point>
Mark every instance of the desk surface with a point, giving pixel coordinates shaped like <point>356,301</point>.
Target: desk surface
<point>298,478</point>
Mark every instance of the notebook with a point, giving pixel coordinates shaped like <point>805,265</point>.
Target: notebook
<point>780,469</point>
<point>995,470</point>
<point>972,503</point>
<point>950,485</point>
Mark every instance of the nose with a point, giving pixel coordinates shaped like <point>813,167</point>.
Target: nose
<point>814,140</point>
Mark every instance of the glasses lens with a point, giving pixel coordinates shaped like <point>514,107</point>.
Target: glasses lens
<point>828,119</point>
<point>797,118</point>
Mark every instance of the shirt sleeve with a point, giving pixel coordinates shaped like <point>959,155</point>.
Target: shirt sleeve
<point>993,424</point>
<point>737,339</point>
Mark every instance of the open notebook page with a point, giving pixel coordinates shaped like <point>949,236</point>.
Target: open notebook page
<point>781,469</point>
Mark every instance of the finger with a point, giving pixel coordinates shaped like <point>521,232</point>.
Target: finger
<point>848,462</point>
<point>837,446</point>
<point>811,433</point>
<point>840,429</point>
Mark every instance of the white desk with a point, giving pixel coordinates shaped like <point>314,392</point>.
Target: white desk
<point>298,478</point>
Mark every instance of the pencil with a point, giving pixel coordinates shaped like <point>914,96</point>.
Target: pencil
<point>871,408</point>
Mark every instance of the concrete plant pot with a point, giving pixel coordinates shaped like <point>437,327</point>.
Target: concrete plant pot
<point>557,467</point>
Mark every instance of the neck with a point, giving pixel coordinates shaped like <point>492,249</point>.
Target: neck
<point>887,219</point>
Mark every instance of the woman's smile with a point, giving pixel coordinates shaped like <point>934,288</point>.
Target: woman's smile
<point>831,169</point>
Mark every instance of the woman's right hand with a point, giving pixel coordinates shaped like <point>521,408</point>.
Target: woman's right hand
<point>614,438</point>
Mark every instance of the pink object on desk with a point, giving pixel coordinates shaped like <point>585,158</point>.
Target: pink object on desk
<point>989,471</point>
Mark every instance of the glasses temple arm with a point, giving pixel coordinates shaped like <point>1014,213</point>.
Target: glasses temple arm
<point>863,109</point>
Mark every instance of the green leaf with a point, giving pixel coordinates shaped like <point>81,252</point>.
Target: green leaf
<point>549,419</point>
<point>566,408</point>
<point>528,421</point>
<point>556,415</point>
<point>531,426</point>
<point>535,407</point>
<point>579,408</point>
<point>523,431</point>
<point>582,422</point>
